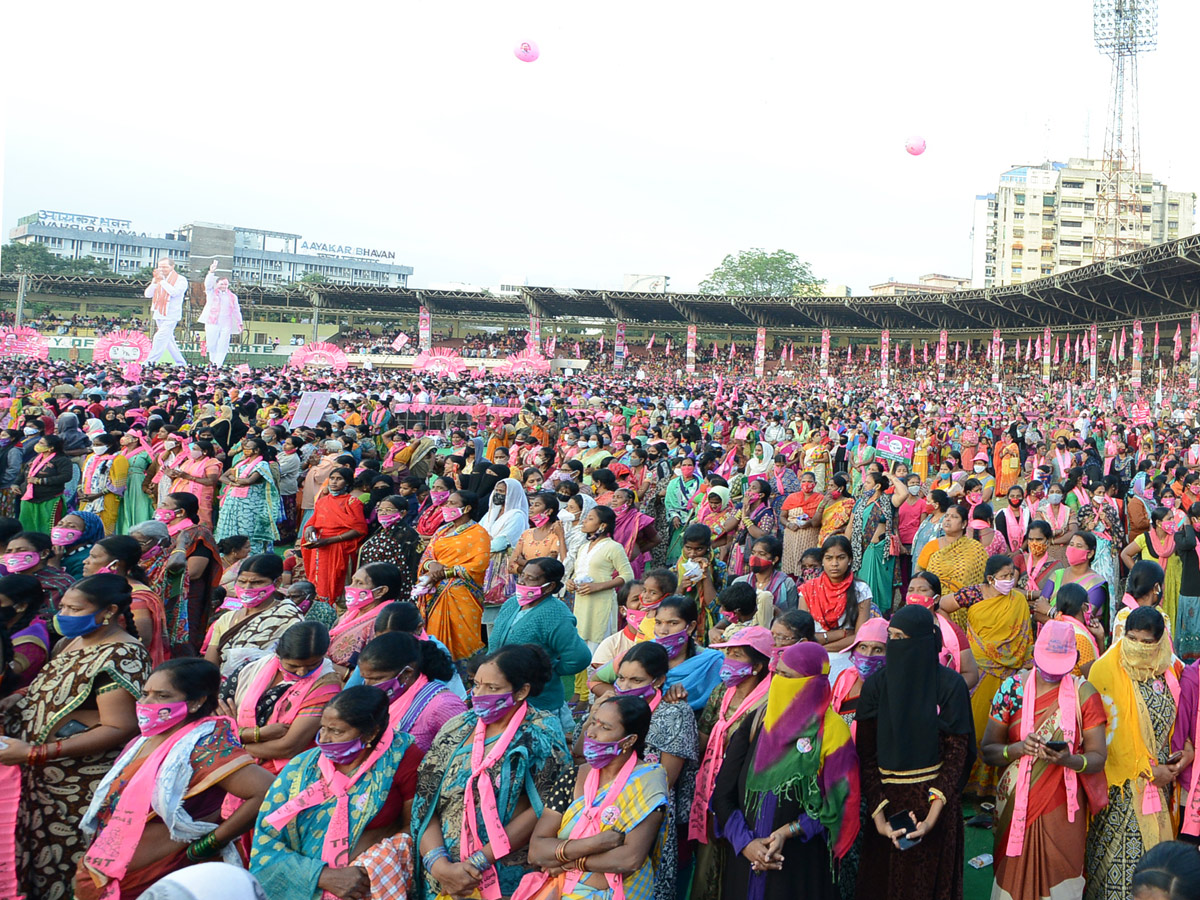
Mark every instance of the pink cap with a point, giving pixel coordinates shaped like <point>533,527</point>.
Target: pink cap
<point>1055,651</point>
<point>875,629</point>
<point>982,454</point>
<point>755,636</point>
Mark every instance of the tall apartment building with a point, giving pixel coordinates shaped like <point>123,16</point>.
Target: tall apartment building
<point>248,255</point>
<point>1042,220</point>
<point>926,284</point>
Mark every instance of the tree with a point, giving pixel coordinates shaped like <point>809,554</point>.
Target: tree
<point>756,273</point>
<point>37,260</point>
<point>312,278</point>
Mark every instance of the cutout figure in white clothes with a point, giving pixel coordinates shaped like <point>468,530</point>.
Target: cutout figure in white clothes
<point>222,316</point>
<point>165,294</point>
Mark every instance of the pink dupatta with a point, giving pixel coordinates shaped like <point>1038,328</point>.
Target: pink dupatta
<point>714,754</point>
<point>1068,702</point>
<point>332,784</point>
<point>479,782</point>
<point>107,859</point>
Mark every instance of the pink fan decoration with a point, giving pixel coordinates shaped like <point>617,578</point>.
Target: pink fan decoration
<point>25,342</point>
<point>527,362</point>
<point>321,355</point>
<point>131,371</point>
<point>441,361</point>
<point>121,347</point>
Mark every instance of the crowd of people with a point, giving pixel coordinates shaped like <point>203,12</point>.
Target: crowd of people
<point>611,637</point>
<point>75,325</point>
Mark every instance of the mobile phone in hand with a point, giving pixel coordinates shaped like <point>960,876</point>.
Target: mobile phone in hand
<point>903,821</point>
<point>1174,758</point>
<point>1056,746</point>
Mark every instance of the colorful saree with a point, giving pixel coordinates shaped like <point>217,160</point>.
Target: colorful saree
<point>327,566</point>
<point>1001,639</point>
<point>535,760</point>
<point>54,797</point>
<point>454,610</point>
<point>1050,857</point>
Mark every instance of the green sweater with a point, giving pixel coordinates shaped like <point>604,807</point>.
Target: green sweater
<point>551,625</point>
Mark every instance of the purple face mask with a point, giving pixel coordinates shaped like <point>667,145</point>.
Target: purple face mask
<point>491,707</point>
<point>1048,678</point>
<point>645,692</point>
<point>735,672</point>
<point>340,752</point>
<point>673,643</point>
<point>867,665</point>
<point>600,753</point>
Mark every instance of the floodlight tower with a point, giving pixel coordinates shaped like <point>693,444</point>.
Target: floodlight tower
<point>1122,29</point>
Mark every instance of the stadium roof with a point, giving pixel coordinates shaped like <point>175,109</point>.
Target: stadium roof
<point>1157,283</point>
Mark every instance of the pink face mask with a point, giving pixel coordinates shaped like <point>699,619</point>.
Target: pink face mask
<point>1076,556</point>
<point>166,516</point>
<point>540,519</point>
<point>255,596</point>
<point>358,597</point>
<point>437,498</point>
<point>20,562</point>
<point>528,594</point>
<point>451,513</point>
<point>155,718</point>
<point>61,536</point>
<point>387,520</point>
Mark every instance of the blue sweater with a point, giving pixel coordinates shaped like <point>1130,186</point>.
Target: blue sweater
<point>551,625</point>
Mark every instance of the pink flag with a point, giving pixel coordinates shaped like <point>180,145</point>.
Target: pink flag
<point>792,352</point>
<point>577,356</point>
<point>867,355</point>
<point>967,350</point>
<point>1121,350</point>
<point>1068,395</point>
<point>957,346</point>
<point>601,343</point>
<point>714,349</point>
<point>1112,349</point>
<point>553,345</point>
<point>650,343</point>
<point>400,341</point>
<point>925,352</point>
<point>989,350</point>
<point>912,353</point>
<point>668,346</point>
<point>812,357</point>
<point>1037,349</point>
<point>1057,343</point>
<point>849,353</point>
<point>1178,344</point>
<point>732,349</point>
<point>1028,348</point>
<point>897,353</point>
<point>720,387</point>
<point>1156,340</point>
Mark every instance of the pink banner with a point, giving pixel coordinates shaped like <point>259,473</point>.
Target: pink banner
<point>424,330</point>
<point>1094,345</point>
<point>619,347</point>
<point>997,352</point>
<point>1046,356</point>
<point>824,353</point>
<point>691,350</point>
<point>941,355</point>
<point>1135,376</point>
<point>760,352</point>
<point>1193,352</point>
<point>885,339</point>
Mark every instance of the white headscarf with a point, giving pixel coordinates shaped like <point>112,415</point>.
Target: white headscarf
<point>507,524</point>
<point>754,467</point>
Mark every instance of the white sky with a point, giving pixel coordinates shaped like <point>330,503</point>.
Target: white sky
<point>651,137</point>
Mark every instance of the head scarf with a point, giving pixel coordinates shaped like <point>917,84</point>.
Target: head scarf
<point>93,530</point>
<point>803,751</point>
<point>915,698</point>
<point>68,429</point>
<point>212,879</point>
<point>499,520</point>
<point>754,467</point>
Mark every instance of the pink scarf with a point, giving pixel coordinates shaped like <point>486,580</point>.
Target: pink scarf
<point>353,618</point>
<point>38,464</point>
<point>1068,701</point>
<point>1191,800</point>
<point>400,705</point>
<point>244,469</point>
<point>262,681</point>
<point>108,859</point>
<point>591,821</point>
<point>336,850</point>
<point>714,755</point>
<point>478,780</point>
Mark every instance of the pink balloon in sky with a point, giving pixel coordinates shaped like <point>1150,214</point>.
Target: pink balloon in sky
<point>915,145</point>
<point>526,51</point>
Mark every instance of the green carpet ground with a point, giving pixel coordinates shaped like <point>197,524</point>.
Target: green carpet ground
<point>977,883</point>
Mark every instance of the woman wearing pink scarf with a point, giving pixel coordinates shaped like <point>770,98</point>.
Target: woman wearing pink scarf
<point>335,822</point>
<point>635,531</point>
<point>473,814</point>
<point>155,802</point>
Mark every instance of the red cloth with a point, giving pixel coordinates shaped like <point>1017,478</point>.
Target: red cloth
<point>327,566</point>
